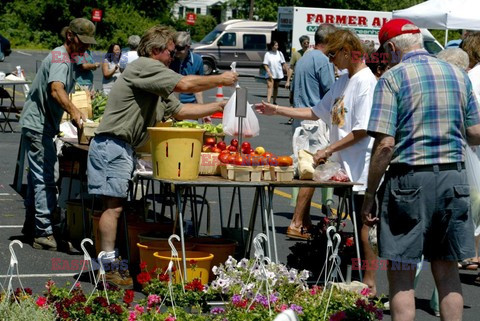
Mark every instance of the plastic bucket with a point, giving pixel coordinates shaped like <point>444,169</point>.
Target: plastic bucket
<point>148,248</point>
<point>176,152</point>
<point>198,264</point>
<point>221,249</point>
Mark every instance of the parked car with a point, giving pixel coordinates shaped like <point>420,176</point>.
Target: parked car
<point>4,48</point>
<point>242,41</point>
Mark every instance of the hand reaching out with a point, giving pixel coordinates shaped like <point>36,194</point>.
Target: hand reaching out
<point>266,108</point>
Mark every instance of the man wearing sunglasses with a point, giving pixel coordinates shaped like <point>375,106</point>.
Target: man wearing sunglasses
<point>187,63</point>
<point>44,107</point>
<point>139,98</point>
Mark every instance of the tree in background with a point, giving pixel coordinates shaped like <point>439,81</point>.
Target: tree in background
<point>203,25</point>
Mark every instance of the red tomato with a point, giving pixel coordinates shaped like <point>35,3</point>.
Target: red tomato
<point>239,160</point>
<point>272,161</point>
<point>216,150</point>
<point>246,145</point>
<point>222,145</point>
<point>223,157</point>
<point>231,158</point>
<point>225,151</point>
<point>234,142</point>
<point>267,154</point>
<point>285,161</point>
<point>232,148</point>
<point>263,160</point>
<point>247,160</point>
<point>210,141</point>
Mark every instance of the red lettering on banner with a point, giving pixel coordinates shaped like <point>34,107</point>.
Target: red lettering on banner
<point>341,20</point>
<point>310,17</point>
<point>352,20</point>
<point>362,21</point>
<point>329,19</point>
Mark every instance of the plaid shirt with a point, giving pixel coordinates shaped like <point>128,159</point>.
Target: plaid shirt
<point>425,104</point>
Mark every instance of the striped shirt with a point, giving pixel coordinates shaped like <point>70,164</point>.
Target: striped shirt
<point>426,104</point>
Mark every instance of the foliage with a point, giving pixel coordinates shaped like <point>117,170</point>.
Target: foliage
<point>203,25</point>
<point>22,307</point>
<point>311,254</point>
<point>99,102</point>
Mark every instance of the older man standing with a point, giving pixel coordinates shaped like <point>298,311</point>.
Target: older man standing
<point>424,113</point>
<point>143,94</point>
<point>40,121</point>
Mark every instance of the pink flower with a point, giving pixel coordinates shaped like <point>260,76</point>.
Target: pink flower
<point>365,291</point>
<point>349,242</point>
<point>132,316</point>
<point>153,299</point>
<point>139,309</point>
<point>41,301</point>
<point>170,318</point>
<point>283,307</point>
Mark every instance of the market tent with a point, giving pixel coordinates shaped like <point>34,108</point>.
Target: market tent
<point>443,14</point>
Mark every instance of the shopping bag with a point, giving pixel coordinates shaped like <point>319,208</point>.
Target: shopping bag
<point>310,136</point>
<point>472,166</point>
<point>306,165</point>
<point>250,126</point>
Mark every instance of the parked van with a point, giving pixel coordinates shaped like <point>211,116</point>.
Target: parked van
<point>242,41</point>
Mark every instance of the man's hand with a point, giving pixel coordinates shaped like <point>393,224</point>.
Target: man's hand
<point>266,108</point>
<point>320,156</point>
<point>368,207</point>
<point>207,120</point>
<point>229,78</point>
<point>77,118</point>
<point>287,84</point>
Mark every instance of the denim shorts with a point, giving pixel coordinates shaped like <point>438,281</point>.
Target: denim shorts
<point>110,166</point>
<point>425,212</point>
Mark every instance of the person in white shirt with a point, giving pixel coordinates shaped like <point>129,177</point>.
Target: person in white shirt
<point>130,55</point>
<point>274,64</point>
<point>345,109</point>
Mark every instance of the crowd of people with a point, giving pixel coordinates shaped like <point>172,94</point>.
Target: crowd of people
<point>400,127</point>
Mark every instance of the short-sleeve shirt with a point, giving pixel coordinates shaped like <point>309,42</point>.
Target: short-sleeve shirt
<point>127,58</point>
<point>132,103</point>
<point>274,61</point>
<point>84,77</point>
<point>41,111</point>
<point>426,104</point>
<point>355,96</point>
<point>314,75</point>
<point>191,65</point>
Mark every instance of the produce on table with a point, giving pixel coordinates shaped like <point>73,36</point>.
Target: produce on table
<point>209,128</point>
<point>99,102</point>
<point>285,161</point>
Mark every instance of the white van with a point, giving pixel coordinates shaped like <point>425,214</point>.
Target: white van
<point>242,41</point>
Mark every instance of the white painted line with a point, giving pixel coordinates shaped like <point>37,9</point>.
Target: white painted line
<point>11,226</point>
<point>4,194</point>
<point>23,53</point>
<point>46,275</point>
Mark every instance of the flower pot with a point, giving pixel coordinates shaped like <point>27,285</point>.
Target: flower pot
<point>198,264</point>
<point>148,248</point>
<point>221,249</point>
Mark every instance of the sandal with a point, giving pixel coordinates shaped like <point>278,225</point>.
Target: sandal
<point>468,264</point>
<point>301,234</point>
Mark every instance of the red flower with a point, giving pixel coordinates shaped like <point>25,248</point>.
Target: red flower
<point>195,285</point>
<point>143,265</point>
<point>193,262</point>
<point>163,277</point>
<point>128,296</point>
<point>115,309</point>
<point>144,277</point>
<point>88,310</point>
<point>349,242</point>
<point>338,316</point>
<point>41,301</point>
<point>101,300</point>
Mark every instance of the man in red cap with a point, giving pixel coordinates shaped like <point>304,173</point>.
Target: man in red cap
<point>424,113</point>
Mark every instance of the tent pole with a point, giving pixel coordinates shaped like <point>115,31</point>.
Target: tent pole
<point>446,37</point>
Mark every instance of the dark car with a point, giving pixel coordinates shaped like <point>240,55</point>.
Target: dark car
<point>4,48</point>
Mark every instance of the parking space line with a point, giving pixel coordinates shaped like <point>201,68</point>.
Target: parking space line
<point>11,226</point>
<point>46,275</point>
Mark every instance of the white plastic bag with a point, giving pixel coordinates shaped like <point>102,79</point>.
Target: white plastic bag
<point>250,126</point>
<point>311,136</point>
<point>472,166</point>
<point>324,172</point>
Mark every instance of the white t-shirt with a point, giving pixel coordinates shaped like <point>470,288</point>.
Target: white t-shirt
<point>357,95</point>
<point>474,75</point>
<point>274,61</point>
<point>127,58</point>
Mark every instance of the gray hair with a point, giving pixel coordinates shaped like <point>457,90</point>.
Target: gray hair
<point>322,32</point>
<point>133,42</point>
<point>182,39</point>
<point>156,37</point>
<point>303,38</point>
<point>455,56</point>
<point>407,41</point>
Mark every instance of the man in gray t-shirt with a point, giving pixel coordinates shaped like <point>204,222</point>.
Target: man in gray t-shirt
<point>46,102</point>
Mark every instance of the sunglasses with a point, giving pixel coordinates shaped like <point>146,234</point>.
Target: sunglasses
<point>180,48</point>
<point>172,53</point>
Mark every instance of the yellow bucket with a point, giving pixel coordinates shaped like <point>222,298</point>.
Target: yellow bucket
<point>145,148</point>
<point>198,264</point>
<point>176,152</point>
<point>147,250</point>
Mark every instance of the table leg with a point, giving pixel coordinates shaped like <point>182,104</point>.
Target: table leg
<point>251,224</point>
<point>220,208</point>
<point>265,208</point>
<point>180,207</point>
<point>272,218</point>
<point>355,233</point>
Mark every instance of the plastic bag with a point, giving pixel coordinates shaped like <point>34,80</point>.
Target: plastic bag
<point>324,172</point>
<point>306,166</point>
<point>250,126</point>
<point>472,166</point>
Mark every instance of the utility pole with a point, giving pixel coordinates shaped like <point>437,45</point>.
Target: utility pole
<point>250,13</point>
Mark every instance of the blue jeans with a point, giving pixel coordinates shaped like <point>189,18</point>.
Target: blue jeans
<point>41,200</point>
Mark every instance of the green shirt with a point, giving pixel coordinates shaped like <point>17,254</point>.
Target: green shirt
<point>41,111</point>
<point>132,103</point>
<point>84,77</point>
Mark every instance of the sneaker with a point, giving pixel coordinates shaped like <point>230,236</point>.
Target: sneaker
<point>290,121</point>
<point>45,243</point>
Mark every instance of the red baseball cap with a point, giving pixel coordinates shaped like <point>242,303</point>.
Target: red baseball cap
<point>396,27</point>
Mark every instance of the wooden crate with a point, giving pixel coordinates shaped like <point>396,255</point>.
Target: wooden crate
<point>283,173</point>
<point>242,173</point>
<point>87,132</point>
<point>209,164</point>
<point>83,101</point>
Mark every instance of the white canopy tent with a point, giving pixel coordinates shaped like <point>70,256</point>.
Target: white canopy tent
<point>443,14</point>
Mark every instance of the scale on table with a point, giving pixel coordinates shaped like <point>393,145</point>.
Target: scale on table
<point>240,110</point>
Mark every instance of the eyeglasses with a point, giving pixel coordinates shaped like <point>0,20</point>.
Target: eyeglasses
<point>180,48</point>
<point>332,55</point>
<point>172,53</point>
<point>306,43</point>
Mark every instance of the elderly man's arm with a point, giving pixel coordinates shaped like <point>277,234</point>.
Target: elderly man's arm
<point>193,111</point>
<point>57,90</point>
<point>193,84</point>
<point>473,135</point>
<point>382,152</point>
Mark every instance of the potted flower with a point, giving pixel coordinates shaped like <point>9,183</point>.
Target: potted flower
<point>22,306</point>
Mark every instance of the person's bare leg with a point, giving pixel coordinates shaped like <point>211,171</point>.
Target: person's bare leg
<point>108,222</point>
<point>449,288</point>
<point>275,90</point>
<point>401,292</point>
<point>301,216</point>
<point>269,89</point>
<point>369,277</point>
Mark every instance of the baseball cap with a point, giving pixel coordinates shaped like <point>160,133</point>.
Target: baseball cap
<point>396,27</point>
<point>84,29</point>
